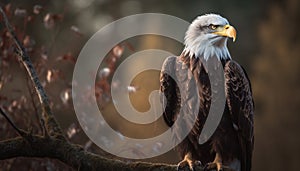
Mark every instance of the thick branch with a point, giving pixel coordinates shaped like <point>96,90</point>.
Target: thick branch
<point>70,154</point>
<point>51,123</point>
<point>73,155</point>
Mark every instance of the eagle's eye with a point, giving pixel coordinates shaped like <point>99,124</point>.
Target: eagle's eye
<point>212,27</point>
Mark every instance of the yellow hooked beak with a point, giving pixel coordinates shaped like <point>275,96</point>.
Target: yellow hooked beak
<point>227,31</point>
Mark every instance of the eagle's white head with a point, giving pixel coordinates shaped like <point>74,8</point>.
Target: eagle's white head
<point>207,37</point>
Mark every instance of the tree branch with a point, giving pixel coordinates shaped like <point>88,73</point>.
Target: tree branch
<point>50,121</point>
<point>73,155</point>
<point>20,132</point>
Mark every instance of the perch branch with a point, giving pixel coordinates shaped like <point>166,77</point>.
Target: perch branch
<point>73,155</point>
<point>50,121</point>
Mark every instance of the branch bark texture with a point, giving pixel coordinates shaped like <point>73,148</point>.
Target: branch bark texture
<point>71,154</point>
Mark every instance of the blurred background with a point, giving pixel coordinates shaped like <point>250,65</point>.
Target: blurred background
<point>53,32</point>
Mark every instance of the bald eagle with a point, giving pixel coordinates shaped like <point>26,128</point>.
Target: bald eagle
<point>231,144</point>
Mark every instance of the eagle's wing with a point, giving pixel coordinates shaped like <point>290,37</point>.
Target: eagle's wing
<point>241,107</point>
<point>182,87</point>
<point>169,89</point>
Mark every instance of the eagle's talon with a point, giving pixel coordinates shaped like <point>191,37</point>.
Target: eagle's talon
<point>185,165</point>
<point>189,165</point>
<point>214,166</point>
<point>198,163</point>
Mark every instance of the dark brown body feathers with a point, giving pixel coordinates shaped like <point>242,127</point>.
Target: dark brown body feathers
<point>233,138</point>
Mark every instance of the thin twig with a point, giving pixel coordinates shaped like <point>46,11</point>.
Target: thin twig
<point>20,132</point>
<point>50,121</point>
<point>31,94</point>
<point>44,128</point>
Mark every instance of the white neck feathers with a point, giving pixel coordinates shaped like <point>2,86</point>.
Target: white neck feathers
<point>207,48</point>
